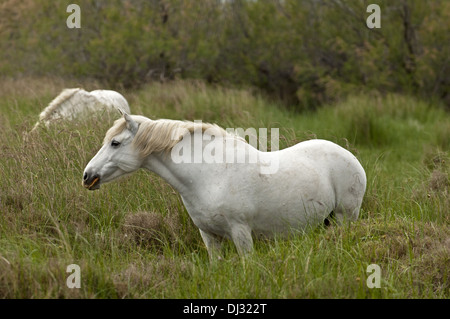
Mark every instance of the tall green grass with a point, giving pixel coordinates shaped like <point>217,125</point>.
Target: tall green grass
<point>134,239</point>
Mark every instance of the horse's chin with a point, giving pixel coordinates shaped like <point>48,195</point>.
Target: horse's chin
<point>94,187</point>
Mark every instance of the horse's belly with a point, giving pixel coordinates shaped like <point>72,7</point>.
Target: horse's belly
<point>294,205</point>
<point>284,219</point>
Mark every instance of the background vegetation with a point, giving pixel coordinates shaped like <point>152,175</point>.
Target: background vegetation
<point>310,68</point>
<point>305,52</point>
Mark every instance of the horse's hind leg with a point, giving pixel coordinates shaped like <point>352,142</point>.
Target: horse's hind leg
<point>348,210</point>
<point>350,203</point>
<point>345,215</point>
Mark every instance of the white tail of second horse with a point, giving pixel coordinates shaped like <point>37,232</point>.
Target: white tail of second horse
<point>236,200</point>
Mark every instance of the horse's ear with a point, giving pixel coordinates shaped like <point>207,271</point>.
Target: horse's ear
<point>121,111</point>
<point>132,125</point>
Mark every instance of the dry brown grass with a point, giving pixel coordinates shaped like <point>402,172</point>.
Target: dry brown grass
<point>422,249</point>
<point>152,276</point>
<point>152,229</point>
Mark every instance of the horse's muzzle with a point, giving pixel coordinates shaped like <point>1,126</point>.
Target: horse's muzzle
<point>91,182</point>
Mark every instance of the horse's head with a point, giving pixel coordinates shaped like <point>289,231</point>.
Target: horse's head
<point>117,156</point>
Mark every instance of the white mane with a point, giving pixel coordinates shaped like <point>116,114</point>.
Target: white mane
<point>162,135</point>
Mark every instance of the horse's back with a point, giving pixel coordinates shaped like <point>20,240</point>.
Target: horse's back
<point>111,99</point>
<point>333,161</point>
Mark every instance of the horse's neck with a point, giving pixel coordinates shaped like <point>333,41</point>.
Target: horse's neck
<point>189,177</point>
<point>171,172</point>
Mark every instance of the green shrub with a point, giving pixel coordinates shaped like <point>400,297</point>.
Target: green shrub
<point>306,53</point>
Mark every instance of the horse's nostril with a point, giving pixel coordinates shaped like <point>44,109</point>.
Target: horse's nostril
<point>85,176</point>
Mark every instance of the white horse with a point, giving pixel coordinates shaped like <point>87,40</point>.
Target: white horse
<point>71,103</point>
<point>234,200</point>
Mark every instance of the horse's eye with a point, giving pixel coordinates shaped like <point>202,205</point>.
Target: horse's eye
<point>115,143</point>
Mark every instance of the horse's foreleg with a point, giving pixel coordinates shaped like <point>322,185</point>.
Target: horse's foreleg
<point>213,245</point>
<point>242,238</point>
